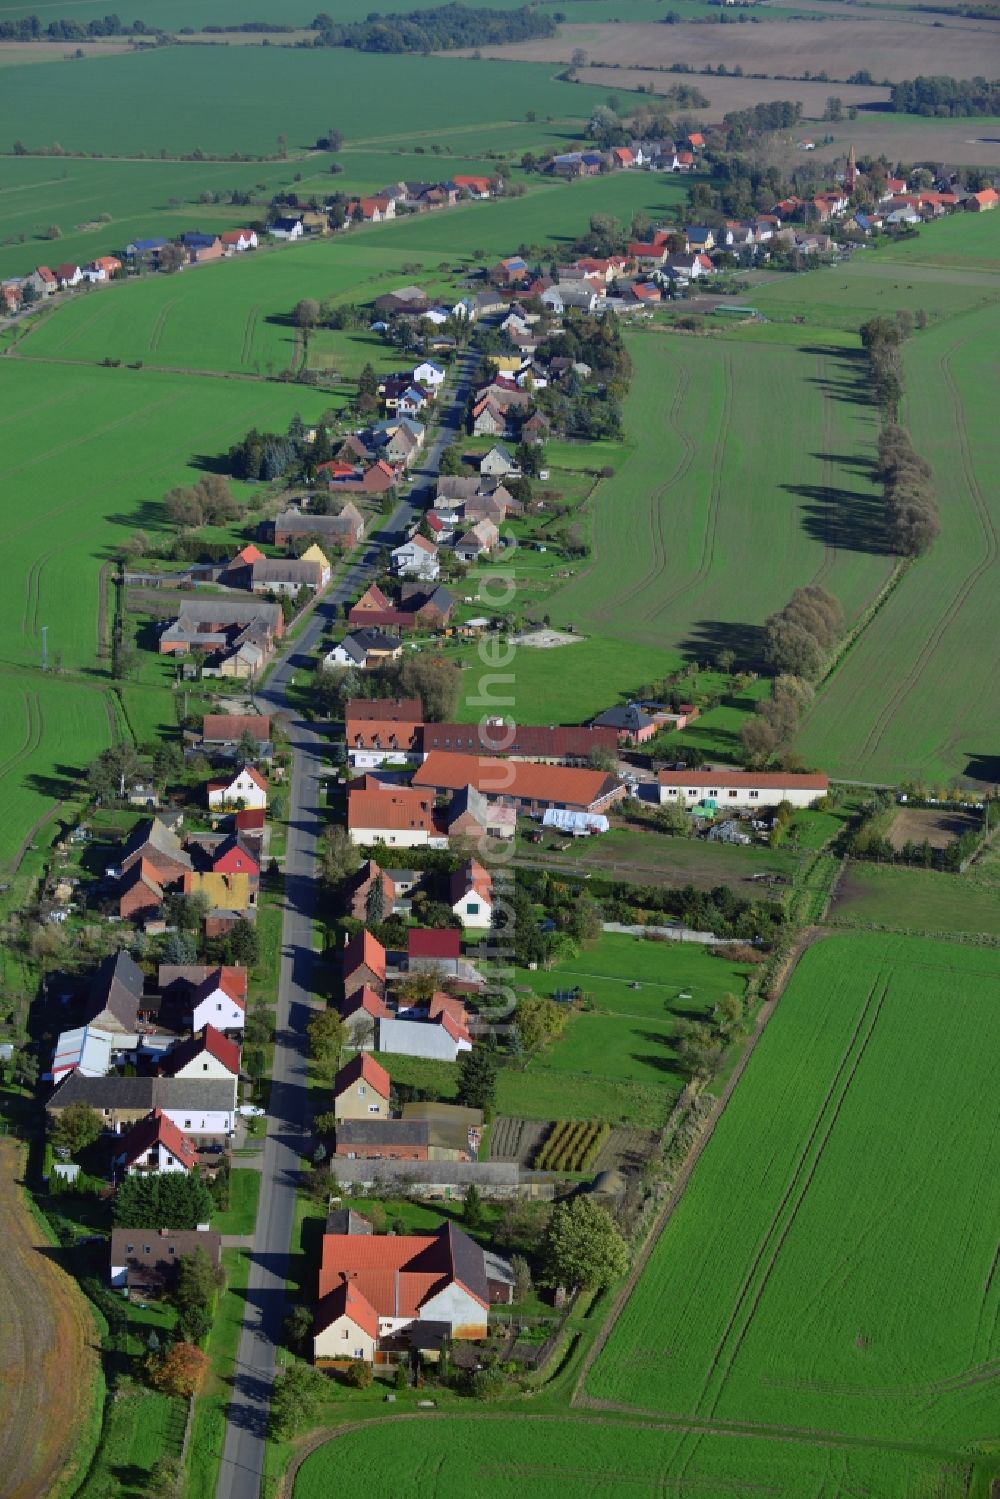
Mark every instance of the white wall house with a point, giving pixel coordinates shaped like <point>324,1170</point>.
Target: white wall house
<point>247,788</point>
<point>430,374</point>
<point>196,1121</point>
<point>416,558</point>
<point>736,789</point>
<point>213,1006</point>
<point>473,909</point>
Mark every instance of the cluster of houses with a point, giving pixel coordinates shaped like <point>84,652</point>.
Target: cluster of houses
<point>417,197</point>
<point>159,1064</point>
<point>231,637</point>
<point>223,866</point>
<point>664,155</point>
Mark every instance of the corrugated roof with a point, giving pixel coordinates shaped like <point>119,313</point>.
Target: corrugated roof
<point>762,780</point>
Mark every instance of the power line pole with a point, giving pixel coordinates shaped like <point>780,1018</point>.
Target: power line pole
<point>45,647</point>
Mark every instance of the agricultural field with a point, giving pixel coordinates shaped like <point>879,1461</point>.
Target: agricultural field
<point>678,558</point>
<point>851,1292</point>
<point>46,1330</point>
<point>100,206</point>
<point>916,900</point>
<point>223,100</point>
<point>506,1456</point>
<point>50,730</point>
<point>652,857</point>
<point>929,715</point>
<point>880,44</point>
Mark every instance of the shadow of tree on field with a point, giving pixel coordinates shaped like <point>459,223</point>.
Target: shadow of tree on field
<point>843,518</point>
<point>709,637</point>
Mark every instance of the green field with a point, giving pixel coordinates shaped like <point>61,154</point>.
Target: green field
<point>691,553</point>
<point>828,1269</point>
<point>505,1457</point>
<point>912,699</point>
<point>141,1427</point>
<point>240,99</point>
<point>915,900</point>
<point>50,729</point>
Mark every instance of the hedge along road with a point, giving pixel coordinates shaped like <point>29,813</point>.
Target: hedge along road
<point>287,1131</point>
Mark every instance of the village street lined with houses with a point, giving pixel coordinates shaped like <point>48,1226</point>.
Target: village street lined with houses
<point>499,880</point>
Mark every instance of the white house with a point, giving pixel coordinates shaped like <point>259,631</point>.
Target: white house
<point>219,1002</point>
<point>416,558</point>
<point>69,275</point>
<point>208,1054</point>
<point>440,1038</point>
<point>498,462</point>
<point>470,895</point>
<point>235,241</point>
<point>287,229</point>
<point>741,788</point>
<point>155,1144</point>
<point>246,789</point>
<point>430,374</point>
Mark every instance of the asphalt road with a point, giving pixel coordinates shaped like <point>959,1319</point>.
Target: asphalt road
<point>288,1135</point>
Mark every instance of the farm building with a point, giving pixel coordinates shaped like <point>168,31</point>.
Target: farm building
<point>742,788</point>
<point>521,784</point>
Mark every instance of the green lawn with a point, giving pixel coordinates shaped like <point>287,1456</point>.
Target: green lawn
<point>915,900</point>
<point>851,1291</point>
<point>637,856</point>
<point>507,1456</point>
<point>209,1424</point>
<point>615,1061</point>
<point>244,1192</point>
<point>140,1427</point>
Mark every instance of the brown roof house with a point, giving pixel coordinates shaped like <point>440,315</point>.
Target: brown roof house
<point>115,995</point>
<point>144,1261</point>
<point>360,896</point>
<point>154,844</point>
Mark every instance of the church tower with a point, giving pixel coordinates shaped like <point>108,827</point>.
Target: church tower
<point>851,174</point>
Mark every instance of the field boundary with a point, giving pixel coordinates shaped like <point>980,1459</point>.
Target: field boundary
<point>579,1398</point>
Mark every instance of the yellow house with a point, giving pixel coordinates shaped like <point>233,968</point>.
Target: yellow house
<point>361,1089</point>
<point>315,553</point>
<point>225,892</point>
<point>507,364</point>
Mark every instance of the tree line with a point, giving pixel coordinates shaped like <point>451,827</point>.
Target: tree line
<point>437,30</point>
<point>937,94</point>
<point>798,642</point>
<point>911,511</point>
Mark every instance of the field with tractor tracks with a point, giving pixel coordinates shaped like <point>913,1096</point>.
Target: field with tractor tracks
<point>830,1268</point>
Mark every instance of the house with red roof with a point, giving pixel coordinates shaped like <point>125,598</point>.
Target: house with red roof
<point>434,944</point>
<point>741,789</point>
<point>247,788</point>
<point>232,856</point>
<point>361,1013</point>
<point>399,816</point>
<point>220,1000</point>
<point>361,1089</point>
<point>235,241</point>
<point>383,1295</point>
<point>696,141</point>
<point>207,1054</point>
<point>363,963</point>
<point>521,784</point>
<point>155,1144</point>
<point>622,157</point>
<point>475,187</point>
<point>359,891</point>
<point>226,729</point>
<point>983,201</point>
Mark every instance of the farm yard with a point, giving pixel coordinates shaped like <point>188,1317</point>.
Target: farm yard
<point>506,1456</point>
<point>851,1291</point>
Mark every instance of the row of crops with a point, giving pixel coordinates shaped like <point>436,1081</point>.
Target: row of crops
<point>573,1145</point>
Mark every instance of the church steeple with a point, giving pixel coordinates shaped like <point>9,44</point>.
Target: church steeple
<point>851,174</point>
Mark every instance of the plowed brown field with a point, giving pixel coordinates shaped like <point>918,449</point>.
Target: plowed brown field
<point>48,1359</point>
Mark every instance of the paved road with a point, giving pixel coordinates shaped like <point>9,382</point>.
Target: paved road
<point>287,1134</point>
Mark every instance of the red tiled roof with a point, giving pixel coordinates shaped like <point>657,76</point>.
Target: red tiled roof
<point>363,1068</point>
<point>446,1004</point>
<point>450,1024</point>
<point>345,1300</point>
<point>471,876</point>
<point>229,726</point>
<point>364,950</point>
<point>214,1042</point>
<point>232,982</point>
<point>364,999</point>
<point>379,1267</point>
<point>157,1129</point>
<point>516,778</point>
<point>761,780</point>
<point>396,810</point>
<point>429,942</point>
<point>250,819</point>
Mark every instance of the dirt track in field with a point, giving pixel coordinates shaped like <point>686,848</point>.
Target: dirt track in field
<point>48,1361</point>
<point>888,48</point>
<point>726,94</point>
<point>938,825</point>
